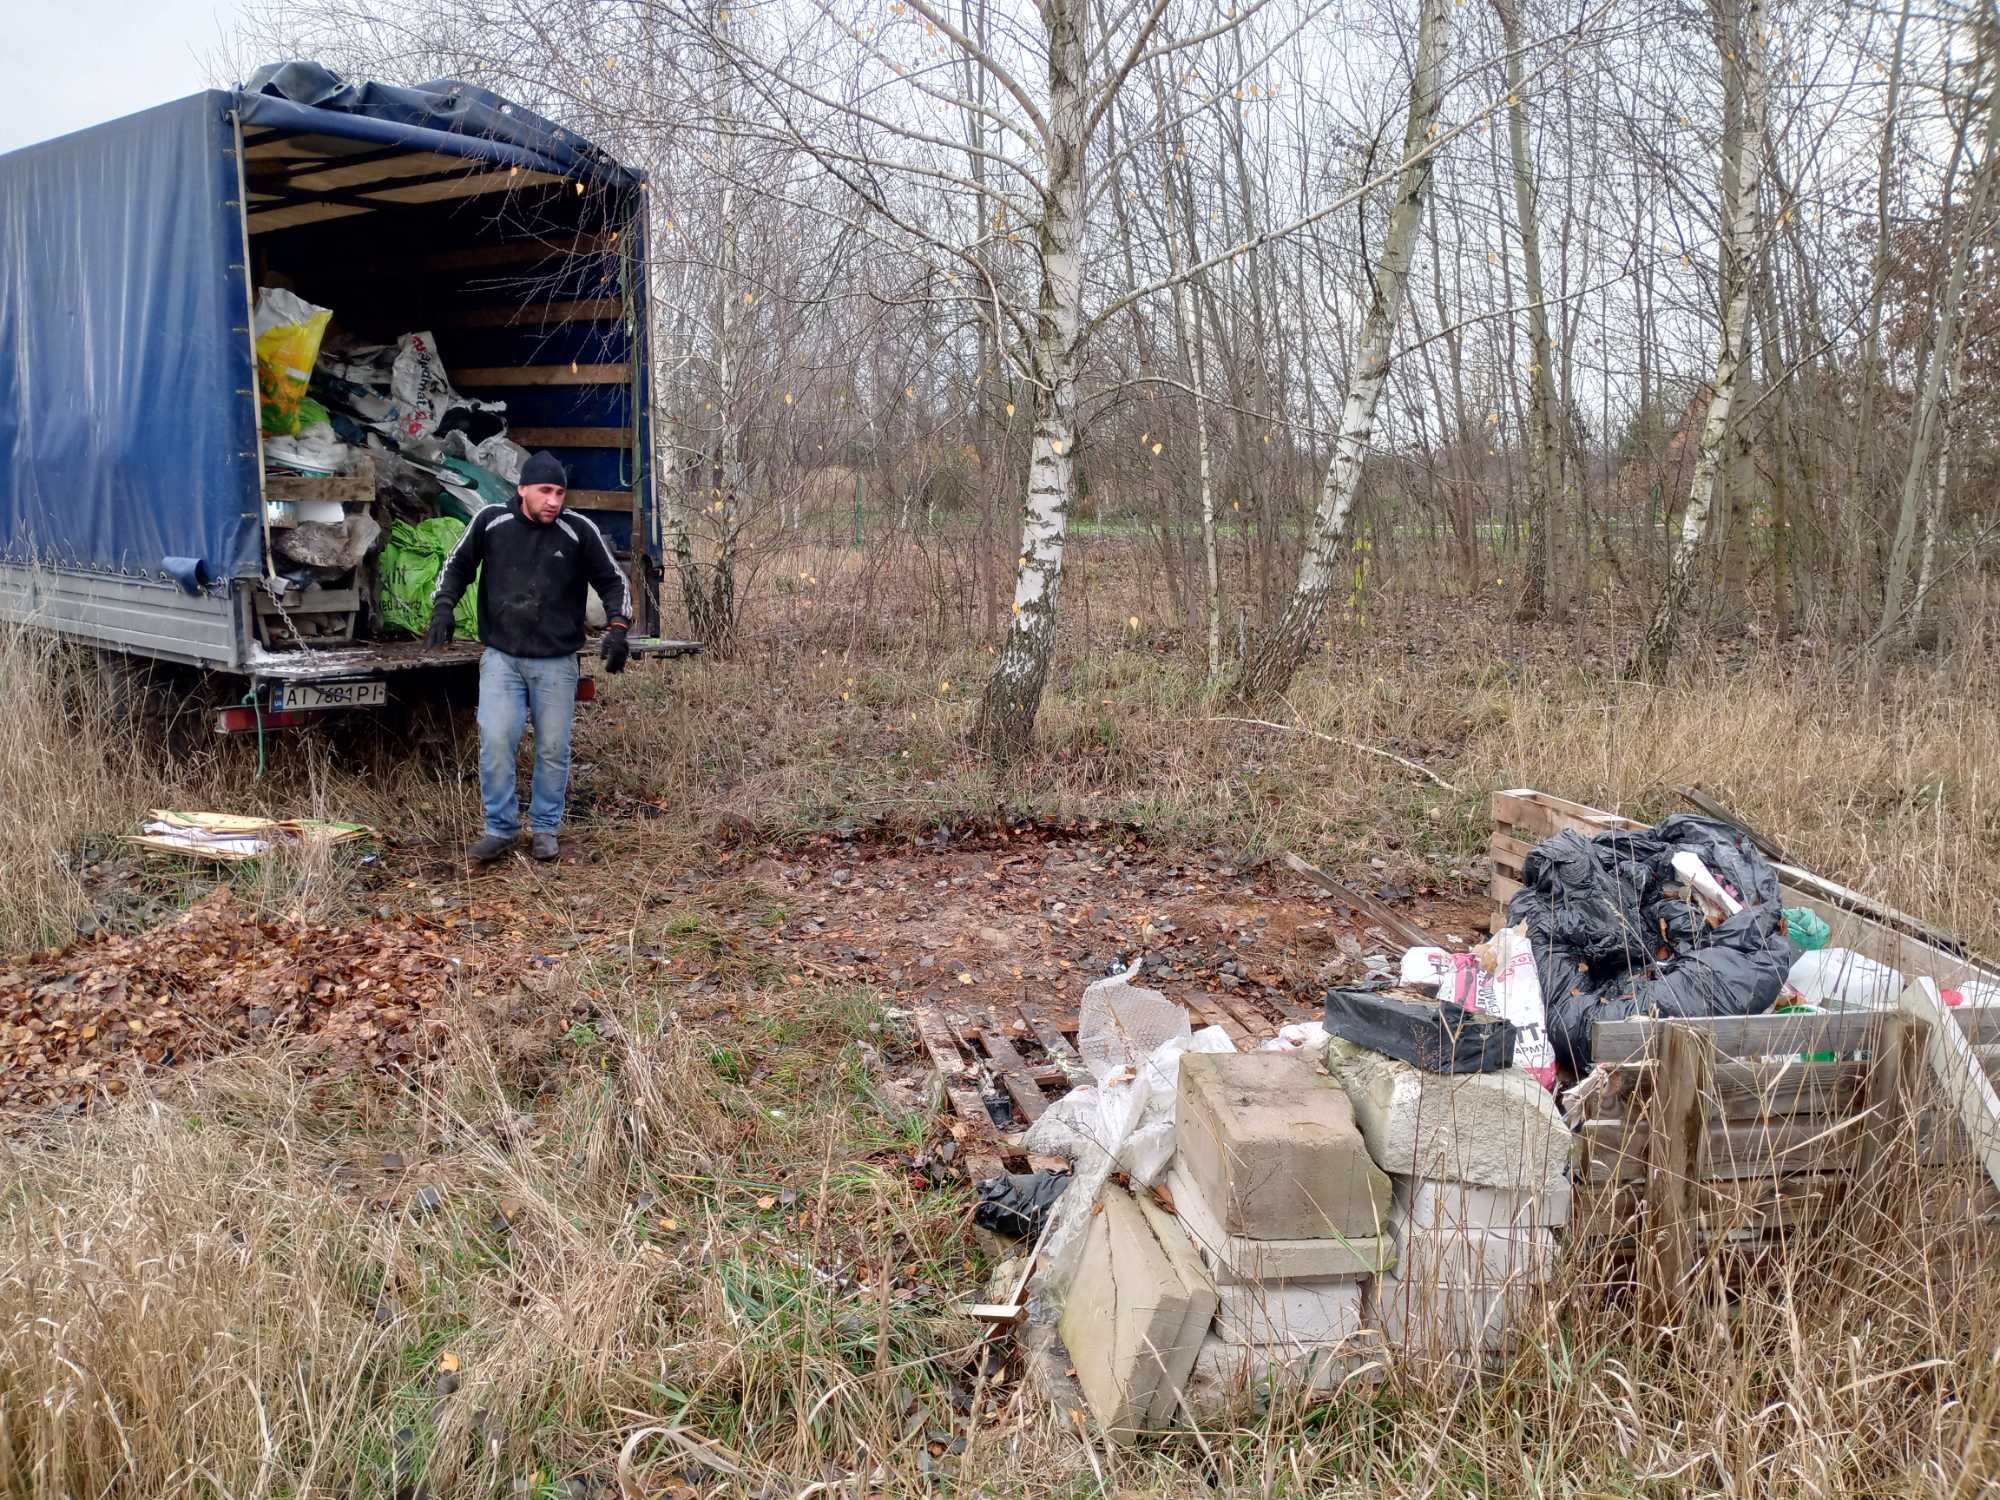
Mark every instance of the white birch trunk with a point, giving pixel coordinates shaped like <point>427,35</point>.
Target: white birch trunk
<point>1940,490</point>
<point>1006,723</point>
<point>1745,70</point>
<point>1270,669</point>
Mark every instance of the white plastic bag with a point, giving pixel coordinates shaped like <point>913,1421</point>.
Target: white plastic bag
<point>1126,1125</point>
<point>1839,979</point>
<point>1120,1024</point>
<point>1300,1036</point>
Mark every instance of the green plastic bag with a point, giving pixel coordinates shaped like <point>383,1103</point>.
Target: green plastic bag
<point>410,566</point>
<point>1807,928</point>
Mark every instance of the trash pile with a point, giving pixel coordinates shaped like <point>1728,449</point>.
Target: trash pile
<point>1296,1216</point>
<point>386,417</point>
<point>1389,1183</point>
<point>1682,919</point>
<point>80,1025</point>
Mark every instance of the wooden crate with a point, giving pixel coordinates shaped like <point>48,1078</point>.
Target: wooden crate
<point>1703,1135</point>
<point>1736,1130</point>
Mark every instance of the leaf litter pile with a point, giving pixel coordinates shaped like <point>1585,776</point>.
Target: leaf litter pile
<point>80,1024</point>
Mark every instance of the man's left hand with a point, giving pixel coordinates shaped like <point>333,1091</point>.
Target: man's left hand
<point>613,648</point>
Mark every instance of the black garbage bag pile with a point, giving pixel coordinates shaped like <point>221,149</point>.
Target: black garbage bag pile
<point>1616,935</point>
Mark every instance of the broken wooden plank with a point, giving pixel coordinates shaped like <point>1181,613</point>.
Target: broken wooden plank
<point>1392,922</point>
<point>1955,1064</point>
<point>1011,1070</point>
<point>980,1147</point>
<point>995,1312</point>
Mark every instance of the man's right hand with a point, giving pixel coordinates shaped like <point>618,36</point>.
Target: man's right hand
<point>438,632</point>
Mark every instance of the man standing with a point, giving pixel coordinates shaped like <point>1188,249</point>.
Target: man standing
<point>534,565</point>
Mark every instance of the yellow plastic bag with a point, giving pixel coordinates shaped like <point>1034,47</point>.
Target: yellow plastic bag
<point>288,330</point>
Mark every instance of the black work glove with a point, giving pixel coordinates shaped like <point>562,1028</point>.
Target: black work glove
<point>613,648</point>
<point>438,632</point>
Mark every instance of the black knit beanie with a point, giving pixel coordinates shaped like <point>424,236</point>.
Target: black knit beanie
<point>543,468</point>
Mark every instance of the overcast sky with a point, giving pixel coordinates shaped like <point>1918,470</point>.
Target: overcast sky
<point>73,63</point>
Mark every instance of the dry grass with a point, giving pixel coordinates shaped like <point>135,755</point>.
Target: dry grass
<point>192,1302</point>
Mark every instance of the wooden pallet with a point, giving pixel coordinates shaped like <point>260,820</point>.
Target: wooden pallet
<point>1032,1060</point>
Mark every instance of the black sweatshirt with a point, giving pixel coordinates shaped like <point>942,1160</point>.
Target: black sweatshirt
<point>532,576</point>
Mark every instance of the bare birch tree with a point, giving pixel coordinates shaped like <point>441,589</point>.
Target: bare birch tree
<point>1270,669</point>
<point>1743,47</point>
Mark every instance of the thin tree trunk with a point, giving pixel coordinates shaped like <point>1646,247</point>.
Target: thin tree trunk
<point>1271,668</point>
<point>1744,70</point>
<point>1940,498</point>
<point>1544,428</point>
<point>1847,523</point>
<point>1944,351</point>
<point>1006,723</point>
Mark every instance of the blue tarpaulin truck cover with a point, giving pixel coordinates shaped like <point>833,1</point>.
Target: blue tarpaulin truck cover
<point>127,432</point>
<point>128,429</point>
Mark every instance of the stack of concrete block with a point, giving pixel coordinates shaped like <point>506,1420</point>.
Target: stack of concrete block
<point>1481,1169</point>
<point>1273,1183</point>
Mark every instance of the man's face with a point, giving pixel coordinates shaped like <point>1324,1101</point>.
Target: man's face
<point>542,502</point>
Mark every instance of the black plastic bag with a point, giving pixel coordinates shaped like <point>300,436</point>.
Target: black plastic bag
<point>1437,1037</point>
<point>1615,935</point>
<point>1018,1205</point>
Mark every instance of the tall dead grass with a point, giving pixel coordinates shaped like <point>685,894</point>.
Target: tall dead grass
<point>675,1247</point>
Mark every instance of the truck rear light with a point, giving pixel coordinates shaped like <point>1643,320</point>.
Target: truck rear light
<point>246,720</point>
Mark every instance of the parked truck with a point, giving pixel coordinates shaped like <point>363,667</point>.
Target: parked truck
<point>139,510</point>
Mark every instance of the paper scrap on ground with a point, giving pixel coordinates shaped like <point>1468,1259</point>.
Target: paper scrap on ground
<point>229,836</point>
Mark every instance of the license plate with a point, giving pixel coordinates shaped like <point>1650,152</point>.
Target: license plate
<point>293,696</point>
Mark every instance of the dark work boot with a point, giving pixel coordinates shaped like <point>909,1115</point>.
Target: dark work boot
<point>543,846</point>
<point>491,846</point>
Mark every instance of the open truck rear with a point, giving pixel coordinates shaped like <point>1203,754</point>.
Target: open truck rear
<point>139,510</point>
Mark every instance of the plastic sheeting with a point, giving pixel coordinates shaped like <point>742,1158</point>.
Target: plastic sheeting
<point>127,431</point>
<point>307,96</point>
<point>1602,912</point>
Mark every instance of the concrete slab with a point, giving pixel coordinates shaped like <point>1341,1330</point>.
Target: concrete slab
<point>1229,1376</point>
<point>1290,1313</point>
<point>1128,1317</point>
<point>1475,1257</point>
<point>1271,1142</point>
<point>1237,1259</point>
<point>1492,1129</point>
<point>1432,1320</point>
<point>1427,1205</point>
<point>1177,1359</point>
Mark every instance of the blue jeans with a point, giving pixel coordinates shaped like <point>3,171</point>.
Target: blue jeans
<point>513,690</point>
